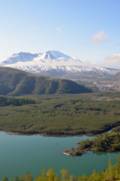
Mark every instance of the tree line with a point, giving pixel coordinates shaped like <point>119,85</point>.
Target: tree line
<point>111,173</point>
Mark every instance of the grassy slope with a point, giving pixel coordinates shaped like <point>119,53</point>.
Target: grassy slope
<point>69,114</point>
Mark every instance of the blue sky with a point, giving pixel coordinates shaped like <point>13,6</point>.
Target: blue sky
<point>88,29</point>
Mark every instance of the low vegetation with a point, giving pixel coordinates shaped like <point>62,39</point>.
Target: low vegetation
<point>111,173</point>
<point>62,114</point>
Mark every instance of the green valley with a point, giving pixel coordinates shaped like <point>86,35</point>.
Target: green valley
<point>63,114</point>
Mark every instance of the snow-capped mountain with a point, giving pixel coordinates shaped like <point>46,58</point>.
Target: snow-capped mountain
<point>55,63</point>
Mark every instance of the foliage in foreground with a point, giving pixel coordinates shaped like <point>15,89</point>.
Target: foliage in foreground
<point>111,173</point>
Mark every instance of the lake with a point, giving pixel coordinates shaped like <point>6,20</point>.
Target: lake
<point>20,154</point>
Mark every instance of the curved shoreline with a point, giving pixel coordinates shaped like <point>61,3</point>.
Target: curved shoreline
<point>63,133</point>
<point>108,142</point>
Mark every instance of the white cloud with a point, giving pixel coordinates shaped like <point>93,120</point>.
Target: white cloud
<point>113,60</point>
<point>99,37</point>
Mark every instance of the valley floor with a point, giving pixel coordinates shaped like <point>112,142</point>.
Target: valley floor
<point>62,114</point>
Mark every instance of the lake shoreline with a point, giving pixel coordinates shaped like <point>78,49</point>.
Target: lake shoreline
<point>108,143</point>
<point>63,133</point>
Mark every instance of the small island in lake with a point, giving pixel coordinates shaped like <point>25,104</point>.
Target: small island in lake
<point>107,142</point>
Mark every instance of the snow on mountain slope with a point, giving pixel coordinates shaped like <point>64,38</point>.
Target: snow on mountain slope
<point>52,63</point>
<point>20,57</point>
<point>54,55</point>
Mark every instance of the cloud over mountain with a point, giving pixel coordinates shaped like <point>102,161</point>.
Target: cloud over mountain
<point>113,60</point>
<point>99,37</point>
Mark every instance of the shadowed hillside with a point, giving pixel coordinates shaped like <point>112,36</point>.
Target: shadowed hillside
<point>16,82</point>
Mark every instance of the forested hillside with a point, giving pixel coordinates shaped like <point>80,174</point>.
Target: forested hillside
<point>16,82</point>
<point>7,101</point>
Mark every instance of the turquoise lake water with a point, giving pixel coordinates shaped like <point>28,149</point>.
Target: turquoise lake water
<point>20,154</point>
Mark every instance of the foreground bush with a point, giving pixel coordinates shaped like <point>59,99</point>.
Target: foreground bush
<point>111,173</point>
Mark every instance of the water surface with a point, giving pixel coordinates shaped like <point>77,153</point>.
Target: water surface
<point>20,154</point>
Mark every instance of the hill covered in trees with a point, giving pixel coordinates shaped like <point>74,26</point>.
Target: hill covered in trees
<point>16,82</point>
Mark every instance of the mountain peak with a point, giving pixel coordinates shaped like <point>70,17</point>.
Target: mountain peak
<point>54,54</point>
<point>27,57</point>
